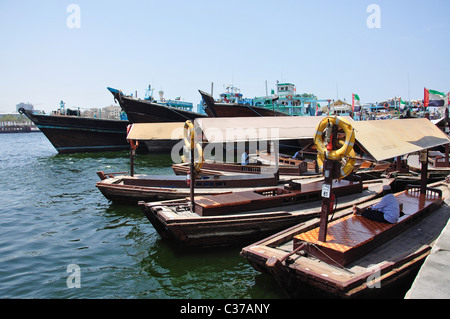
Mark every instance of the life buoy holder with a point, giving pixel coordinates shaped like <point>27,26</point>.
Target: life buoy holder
<point>188,137</point>
<point>345,153</point>
<point>289,97</point>
<point>386,106</point>
<point>188,134</point>
<point>347,163</point>
<point>133,143</point>
<point>349,138</point>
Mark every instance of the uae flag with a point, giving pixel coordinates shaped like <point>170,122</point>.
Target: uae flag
<point>356,103</point>
<point>402,104</point>
<point>433,98</point>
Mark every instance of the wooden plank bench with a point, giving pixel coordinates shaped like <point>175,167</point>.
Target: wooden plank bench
<point>352,236</point>
<point>235,202</point>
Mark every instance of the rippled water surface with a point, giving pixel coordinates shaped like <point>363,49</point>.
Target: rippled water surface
<point>53,216</point>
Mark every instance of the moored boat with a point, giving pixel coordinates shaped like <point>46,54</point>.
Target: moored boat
<point>150,111</point>
<point>360,258</point>
<point>350,254</point>
<point>118,187</point>
<point>231,109</point>
<point>294,169</point>
<point>75,134</point>
<point>240,217</point>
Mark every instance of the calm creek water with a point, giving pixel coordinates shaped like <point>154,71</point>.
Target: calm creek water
<point>52,216</point>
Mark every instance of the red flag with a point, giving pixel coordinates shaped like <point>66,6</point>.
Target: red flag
<point>426,97</point>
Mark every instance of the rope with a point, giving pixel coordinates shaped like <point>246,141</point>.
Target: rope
<point>337,264</point>
<point>173,110</point>
<point>252,109</point>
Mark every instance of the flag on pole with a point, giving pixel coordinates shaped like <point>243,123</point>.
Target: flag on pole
<point>434,98</point>
<point>402,104</point>
<point>356,103</point>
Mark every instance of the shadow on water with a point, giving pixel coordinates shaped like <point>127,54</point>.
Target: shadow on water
<point>169,270</point>
<point>215,272</point>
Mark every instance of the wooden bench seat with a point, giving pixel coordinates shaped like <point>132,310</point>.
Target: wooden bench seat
<point>352,236</point>
<point>235,202</point>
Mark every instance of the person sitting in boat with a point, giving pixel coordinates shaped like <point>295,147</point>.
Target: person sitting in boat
<point>299,155</point>
<point>245,159</point>
<point>386,211</point>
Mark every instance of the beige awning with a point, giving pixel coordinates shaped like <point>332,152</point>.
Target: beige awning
<point>239,129</point>
<point>156,131</point>
<point>386,139</point>
<point>382,139</point>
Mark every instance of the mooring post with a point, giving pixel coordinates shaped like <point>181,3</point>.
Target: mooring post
<point>330,171</point>
<point>327,188</point>
<point>192,173</point>
<point>132,153</point>
<point>424,171</point>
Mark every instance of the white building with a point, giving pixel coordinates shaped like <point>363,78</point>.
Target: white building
<point>25,106</point>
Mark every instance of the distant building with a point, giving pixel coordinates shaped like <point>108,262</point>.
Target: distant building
<point>108,112</point>
<point>112,111</point>
<point>25,106</point>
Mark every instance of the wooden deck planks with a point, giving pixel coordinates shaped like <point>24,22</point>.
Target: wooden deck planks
<point>351,236</point>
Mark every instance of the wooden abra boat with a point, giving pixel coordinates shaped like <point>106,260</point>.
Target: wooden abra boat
<point>239,217</point>
<point>119,187</point>
<point>359,257</point>
<point>293,168</point>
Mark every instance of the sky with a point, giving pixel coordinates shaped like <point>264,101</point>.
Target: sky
<point>50,52</point>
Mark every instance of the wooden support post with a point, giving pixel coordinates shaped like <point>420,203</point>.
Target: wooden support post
<point>132,153</point>
<point>192,173</point>
<point>399,163</point>
<point>446,154</point>
<point>277,159</point>
<point>327,188</point>
<point>331,171</point>
<point>424,172</point>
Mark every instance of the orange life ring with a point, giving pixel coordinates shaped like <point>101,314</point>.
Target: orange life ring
<point>134,144</point>
<point>417,104</point>
<point>386,106</point>
<point>289,97</point>
<point>163,100</point>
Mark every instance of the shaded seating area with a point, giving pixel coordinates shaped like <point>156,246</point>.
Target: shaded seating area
<point>351,237</point>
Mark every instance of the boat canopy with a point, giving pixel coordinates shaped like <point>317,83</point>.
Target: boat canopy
<point>386,139</point>
<point>383,139</point>
<point>241,129</point>
<point>233,129</point>
<point>156,131</point>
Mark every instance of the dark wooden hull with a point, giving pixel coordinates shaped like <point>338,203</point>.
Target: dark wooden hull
<point>150,188</point>
<point>240,110</point>
<point>73,134</point>
<point>222,231</point>
<point>143,111</point>
<point>214,109</point>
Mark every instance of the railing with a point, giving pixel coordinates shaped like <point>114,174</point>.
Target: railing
<point>431,193</point>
